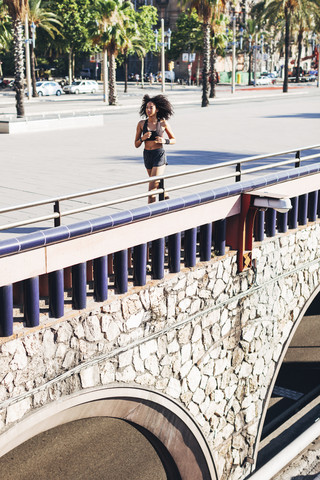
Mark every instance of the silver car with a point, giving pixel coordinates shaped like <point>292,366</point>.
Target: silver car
<point>82,86</point>
<point>48,88</point>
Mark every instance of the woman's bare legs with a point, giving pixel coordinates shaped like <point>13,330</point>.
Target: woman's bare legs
<point>154,172</point>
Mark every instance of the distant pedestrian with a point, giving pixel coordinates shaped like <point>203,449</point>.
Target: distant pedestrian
<point>158,110</point>
<point>151,78</point>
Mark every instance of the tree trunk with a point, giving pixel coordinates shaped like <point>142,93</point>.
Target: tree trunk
<point>70,66</point>
<point>300,35</point>
<point>198,70</point>
<point>33,72</point>
<point>105,74</point>
<point>125,72</point>
<point>142,72</point>
<point>212,73</point>
<point>206,62</point>
<point>287,45</point>
<point>250,67</point>
<point>112,80</point>
<point>18,67</point>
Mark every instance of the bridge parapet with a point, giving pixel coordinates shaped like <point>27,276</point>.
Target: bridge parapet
<point>222,216</point>
<point>207,337</point>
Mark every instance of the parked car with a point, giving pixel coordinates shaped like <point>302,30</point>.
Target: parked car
<point>264,80</point>
<point>82,86</point>
<point>48,88</point>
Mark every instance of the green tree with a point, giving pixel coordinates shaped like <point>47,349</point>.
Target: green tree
<point>75,16</point>
<point>5,32</point>
<point>219,40</point>
<point>17,11</point>
<point>43,19</point>
<point>187,36</point>
<point>305,19</point>
<point>273,11</point>
<point>111,34</point>
<point>146,18</point>
<point>204,9</point>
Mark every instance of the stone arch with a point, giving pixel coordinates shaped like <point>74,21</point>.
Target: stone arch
<point>153,412</point>
<point>278,366</point>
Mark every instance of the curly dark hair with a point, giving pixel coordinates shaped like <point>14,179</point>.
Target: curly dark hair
<point>162,104</point>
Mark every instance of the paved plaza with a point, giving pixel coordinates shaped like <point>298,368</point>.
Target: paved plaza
<point>41,165</point>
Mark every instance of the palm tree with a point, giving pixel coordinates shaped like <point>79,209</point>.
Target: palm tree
<point>17,11</point>
<point>46,20</point>
<point>112,18</point>
<point>205,10</point>
<point>5,31</point>
<point>304,18</point>
<point>218,42</point>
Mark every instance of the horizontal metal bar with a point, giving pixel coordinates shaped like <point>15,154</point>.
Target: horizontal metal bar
<point>28,222</point>
<point>112,202</point>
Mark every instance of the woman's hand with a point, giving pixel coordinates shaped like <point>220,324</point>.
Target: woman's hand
<point>146,136</point>
<point>160,140</point>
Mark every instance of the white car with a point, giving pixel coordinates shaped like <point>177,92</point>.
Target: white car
<point>82,86</point>
<point>48,88</point>
<point>264,80</point>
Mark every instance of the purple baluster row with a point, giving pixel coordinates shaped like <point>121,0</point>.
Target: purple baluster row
<point>305,208</point>
<point>211,236</point>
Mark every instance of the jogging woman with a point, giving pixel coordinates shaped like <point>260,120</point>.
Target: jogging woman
<point>158,110</point>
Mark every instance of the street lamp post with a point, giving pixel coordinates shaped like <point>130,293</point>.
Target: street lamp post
<point>318,76</point>
<point>27,41</point>
<point>233,83</point>
<point>163,44</point>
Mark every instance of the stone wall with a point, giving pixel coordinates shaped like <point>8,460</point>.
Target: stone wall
<point>207,337</point>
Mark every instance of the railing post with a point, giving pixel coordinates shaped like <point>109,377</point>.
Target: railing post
<point>298,158</point>
<point>293,213</point>
<point>313,206</point>
<point>190,247</point>
<point>205,242</point>
<point>79,286</point>
<point>6,311</point>
<point>303,209</point>
<point>31,301</point>
<point>140,264</point>
<point>100,278</point>
<point>121,271</point>
<point>238,170</point>
<point>220,237</point>
<point>174,249</point>
<point>282,222</point>
<point>56,209</point>
<point>161,185</point>
<point>259,226</point>
<point>158,259</point>
<point>56,293</point>
<point>271,217</point>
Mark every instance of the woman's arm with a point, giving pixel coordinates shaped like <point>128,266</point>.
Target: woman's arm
<point>138,141</point>
<point>171,138</point>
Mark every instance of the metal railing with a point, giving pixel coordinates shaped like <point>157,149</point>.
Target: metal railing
<point>57,214</point>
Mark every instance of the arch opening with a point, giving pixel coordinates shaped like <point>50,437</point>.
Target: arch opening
<point>295,390</point>
<point>96,448</point>
<point>170,432</point>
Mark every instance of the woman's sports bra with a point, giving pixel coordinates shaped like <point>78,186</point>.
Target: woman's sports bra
<point>158,132</point>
